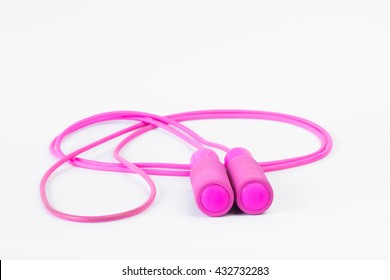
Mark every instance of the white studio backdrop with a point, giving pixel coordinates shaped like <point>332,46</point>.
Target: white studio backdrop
<point>328,62</point>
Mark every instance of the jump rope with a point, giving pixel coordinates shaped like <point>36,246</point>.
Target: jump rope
<point>216,185</point>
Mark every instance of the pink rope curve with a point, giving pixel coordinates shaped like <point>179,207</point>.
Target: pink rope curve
<point>172,124</point>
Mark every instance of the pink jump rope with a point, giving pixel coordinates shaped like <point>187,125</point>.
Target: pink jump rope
<point>216,185</point>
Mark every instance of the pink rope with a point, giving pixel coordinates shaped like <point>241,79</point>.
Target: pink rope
<point>171,123</point>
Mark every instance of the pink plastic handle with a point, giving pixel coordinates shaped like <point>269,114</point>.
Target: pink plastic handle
<point>211,186</point>
<point>253,192</point>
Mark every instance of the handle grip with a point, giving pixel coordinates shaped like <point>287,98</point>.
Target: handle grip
<point>252,190</point>
<point>210,183</point>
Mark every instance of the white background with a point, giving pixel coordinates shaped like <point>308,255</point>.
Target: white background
<point>325,61</point>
